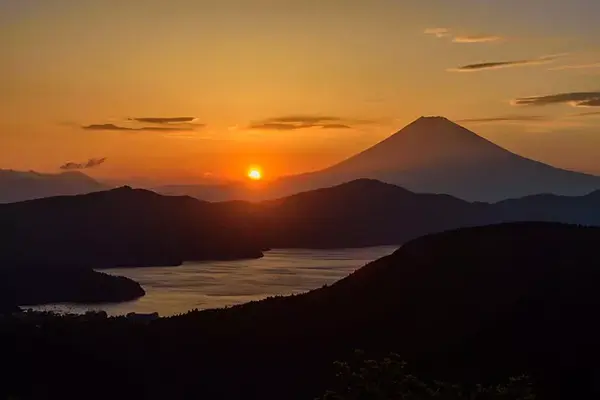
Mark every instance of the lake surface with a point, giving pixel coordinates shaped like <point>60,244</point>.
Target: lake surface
<point>202,285</point>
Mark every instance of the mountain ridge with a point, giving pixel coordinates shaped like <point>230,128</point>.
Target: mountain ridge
<point>126,227</point>
<point>18,186</point>
<point>429,155</point>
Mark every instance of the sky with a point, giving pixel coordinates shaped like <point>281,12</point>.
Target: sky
<point>189,91</point>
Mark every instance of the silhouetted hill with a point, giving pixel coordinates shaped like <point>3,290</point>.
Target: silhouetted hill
<point>469,305</point>
<point>20,185</point>
<point>206,192</point>
<point>363,212</point>
<point>121,227</point>
<point>33,286</point>
<point>583,210</point>
<point>133,227</point>
<point>435,155</point>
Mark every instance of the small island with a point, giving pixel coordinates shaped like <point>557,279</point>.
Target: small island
<point>39,285</point>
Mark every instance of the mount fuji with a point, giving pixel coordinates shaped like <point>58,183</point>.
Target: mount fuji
<point>436,155</point>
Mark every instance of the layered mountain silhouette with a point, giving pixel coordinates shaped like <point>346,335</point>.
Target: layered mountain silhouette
<point>133,227</point>
<point>435,155</point>
<point>121,227</point>
<point>206,192</point>
<point>473,306</point>
<point>26,185</point>
<point>363,212</point>
<point>430,155</point>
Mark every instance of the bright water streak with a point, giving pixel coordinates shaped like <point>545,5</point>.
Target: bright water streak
<point>202,285</point>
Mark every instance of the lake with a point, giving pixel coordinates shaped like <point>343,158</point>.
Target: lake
<point>202,285</point>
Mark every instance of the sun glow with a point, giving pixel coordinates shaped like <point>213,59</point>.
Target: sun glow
<point>254,174</point>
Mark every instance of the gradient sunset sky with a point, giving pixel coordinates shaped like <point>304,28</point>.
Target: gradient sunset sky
<point>192,90</point>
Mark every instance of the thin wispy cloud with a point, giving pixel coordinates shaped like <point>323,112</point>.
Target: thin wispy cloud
<point>91,163</point>
<point>505,64</point>
<point>163,120</point>
<point>294,122</point>
<point>113,127</point>
<point>575,99</point>
<point>336,126</point>
<point>587,114</point>
<point>576,66</point>
<point>441,33</point>
<point>506,118</point>
<point>273,126</point>
<point>530,123</point>
<point>438,32</point>
<point>476,39</point>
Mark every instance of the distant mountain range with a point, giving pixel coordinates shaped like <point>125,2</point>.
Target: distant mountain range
<point>132,227</point>
<point>430,155</point>
<point>27,185</point>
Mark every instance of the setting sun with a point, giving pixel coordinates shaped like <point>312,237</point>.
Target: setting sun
<point>254,174</point>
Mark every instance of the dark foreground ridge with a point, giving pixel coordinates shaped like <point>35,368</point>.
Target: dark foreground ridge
<point>472,305</point>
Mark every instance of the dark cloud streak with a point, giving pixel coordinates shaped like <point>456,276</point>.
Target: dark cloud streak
<point>336,126</point>
<point>91,163</point>
<point>576,99</point>
<point>506,64</point>
<point>113,127</point>
<point>273,126</point>
<point>163,120</point>
<point>294,122</point>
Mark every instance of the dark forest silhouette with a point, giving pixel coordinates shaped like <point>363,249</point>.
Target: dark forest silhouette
<point>473,305</point>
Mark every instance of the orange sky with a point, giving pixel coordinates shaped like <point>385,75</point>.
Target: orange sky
<point>289,85</point>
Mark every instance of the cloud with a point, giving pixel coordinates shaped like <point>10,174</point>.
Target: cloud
<point>530,123</point>
<point>586,114</point>
<point>505,64</point>
<point>438,32</point>
<point>91,163</point>
<point>163,120</point>
<point>294,122</point>
<point>336,126</point>
<point>476,39</point>
<point>576,66</point>
<point>590,103</point>
<point>272,126</point>
<point>113,127</point>
<point>576,99</point>
<point>507,118</point>
<point>445,32</point>
<point>304,119</point>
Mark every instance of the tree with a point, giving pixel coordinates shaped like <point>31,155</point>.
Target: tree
<point>388,379</point>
